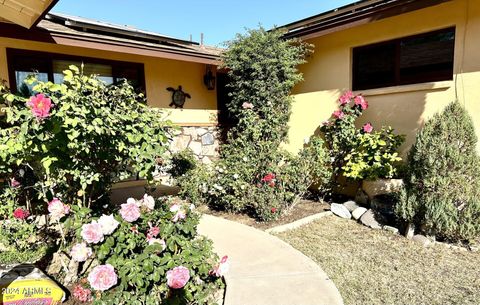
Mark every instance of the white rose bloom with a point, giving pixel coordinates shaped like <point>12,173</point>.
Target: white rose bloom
<point>148,202</point>
<point>108,223</point>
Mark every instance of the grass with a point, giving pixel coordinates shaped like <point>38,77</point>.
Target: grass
<point>378,267</point>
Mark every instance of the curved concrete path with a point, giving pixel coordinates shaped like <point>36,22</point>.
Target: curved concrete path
<point>265,270</point>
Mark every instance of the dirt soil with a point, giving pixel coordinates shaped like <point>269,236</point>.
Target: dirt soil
<point>301,210</point>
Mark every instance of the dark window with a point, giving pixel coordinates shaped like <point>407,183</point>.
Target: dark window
<point>410,60</point>
<point>50,67</point>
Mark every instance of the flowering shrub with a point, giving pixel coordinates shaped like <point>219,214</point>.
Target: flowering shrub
<point>60,152</point>
<point>254,174</point>
<point>67,144</point>
<point>360,153</point>
<point>155,259</point>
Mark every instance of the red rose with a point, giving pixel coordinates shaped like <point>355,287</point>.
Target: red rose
<point>20,213</point>
<point>268,178</point>
<point>274,210</point>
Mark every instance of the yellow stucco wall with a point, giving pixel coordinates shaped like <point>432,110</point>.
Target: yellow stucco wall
<point>159,74</point>
<point>405,108</point>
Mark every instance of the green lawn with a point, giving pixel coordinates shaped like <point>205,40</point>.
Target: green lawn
<point>376,267</point>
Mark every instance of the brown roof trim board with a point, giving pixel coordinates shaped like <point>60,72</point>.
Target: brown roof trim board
<point>45,12</point>
<point>357,13</point>
<point>50,33</point>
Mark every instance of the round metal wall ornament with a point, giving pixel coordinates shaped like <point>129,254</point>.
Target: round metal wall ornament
<point>178,97</point>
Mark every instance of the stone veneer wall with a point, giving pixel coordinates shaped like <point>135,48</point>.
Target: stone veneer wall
<point>203,141</point>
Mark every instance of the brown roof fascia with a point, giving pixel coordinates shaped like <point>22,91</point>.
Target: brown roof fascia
<point>16,32</point>
<point>45,12</point>
<point>356,14</point>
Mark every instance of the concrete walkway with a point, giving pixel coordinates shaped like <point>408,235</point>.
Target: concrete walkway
<point>265,270</point>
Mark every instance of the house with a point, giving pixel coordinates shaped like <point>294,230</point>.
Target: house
<point>408,58</point>
<point>32,39</point>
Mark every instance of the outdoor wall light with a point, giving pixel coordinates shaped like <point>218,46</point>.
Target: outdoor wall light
<point>209,78</point>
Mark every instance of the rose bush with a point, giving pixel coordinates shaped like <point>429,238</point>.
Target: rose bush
<point>60,152</point>
<point>155,259</point>
<point>360,153</point>
<point>254,174</point>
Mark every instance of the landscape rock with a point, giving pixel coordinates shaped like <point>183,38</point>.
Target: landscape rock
<point>369,219</point>
<point>422,240</point>
<point>59,261</point>
<point>358,212</point>
<point>410,231</point>
<point>340,210</point>
<point>361,198</point>
<point>351,205</point>
<point>391,229</point>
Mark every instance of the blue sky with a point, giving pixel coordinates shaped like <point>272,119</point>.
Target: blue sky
<point>219,20</point>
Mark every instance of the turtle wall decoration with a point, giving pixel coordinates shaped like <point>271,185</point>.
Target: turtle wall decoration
<point>178,97</point>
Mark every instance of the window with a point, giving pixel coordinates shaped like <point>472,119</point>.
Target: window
<point>50,67</point>
<point>410,60</point>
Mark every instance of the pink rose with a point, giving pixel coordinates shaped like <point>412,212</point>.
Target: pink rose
<point>92,232</point>
<point>80,252</point>
<point>359,100</point>
<point>152,232</point>
<point>57,209</point>
<point>102,277</point>
<point>130,211</point>
<point>40,105</point>
<point>345,98</point>
<point>174,207</point>
<point>338,114</point>
<point>367,128</point>
<point>21,214</point>
<point>82,294</point>
<point>179,215</point>
<point>14,183</point>
<point>108,223</point>
<point>247,105</point>
<point>222,268</point>
<point>178,277</point>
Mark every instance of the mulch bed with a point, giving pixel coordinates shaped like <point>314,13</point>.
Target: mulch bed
<point>301,210</point>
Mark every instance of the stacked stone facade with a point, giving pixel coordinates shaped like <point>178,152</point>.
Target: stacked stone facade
<point>202,141</point>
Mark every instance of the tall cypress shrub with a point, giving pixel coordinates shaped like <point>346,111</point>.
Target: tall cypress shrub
<point>441,194</point>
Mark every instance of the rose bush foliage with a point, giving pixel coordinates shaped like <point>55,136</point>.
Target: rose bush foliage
<point>254,174</point>
<point>75,139</point>
<point>360,153</point>
<point>138,260</point>
<point>60,152</point>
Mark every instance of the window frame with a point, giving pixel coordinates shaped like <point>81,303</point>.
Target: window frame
<point>13,53</point>
<point>397,60</point>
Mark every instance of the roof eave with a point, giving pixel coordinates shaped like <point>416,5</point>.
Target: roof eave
<point>352,15</point>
